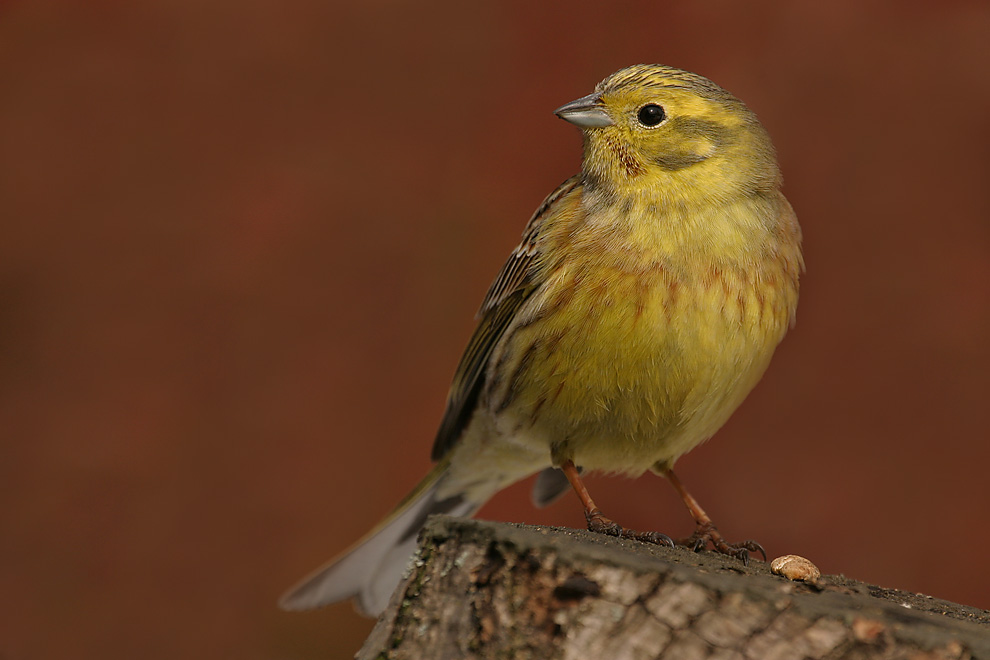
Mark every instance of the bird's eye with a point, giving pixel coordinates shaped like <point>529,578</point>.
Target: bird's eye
<point>651,114</point>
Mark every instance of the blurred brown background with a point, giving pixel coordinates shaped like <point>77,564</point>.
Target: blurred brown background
<point>242,244</point>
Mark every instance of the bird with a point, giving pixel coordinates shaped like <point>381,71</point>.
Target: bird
<point>642,304</point>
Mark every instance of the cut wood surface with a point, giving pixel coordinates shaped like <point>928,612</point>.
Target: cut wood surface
<point>496,590</point>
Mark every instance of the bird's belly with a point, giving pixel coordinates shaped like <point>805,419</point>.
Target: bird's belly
<point>623,372</point>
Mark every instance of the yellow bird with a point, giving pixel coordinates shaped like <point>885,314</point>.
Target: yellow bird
<point>642,305</point>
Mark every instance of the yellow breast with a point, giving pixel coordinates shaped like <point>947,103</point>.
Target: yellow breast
<point>633,352</point>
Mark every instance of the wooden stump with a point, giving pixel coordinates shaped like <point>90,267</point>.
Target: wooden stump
<point>493,590</point>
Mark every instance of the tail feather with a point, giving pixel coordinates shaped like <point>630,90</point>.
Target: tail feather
<point>371,569</point>
<point>550,484</point>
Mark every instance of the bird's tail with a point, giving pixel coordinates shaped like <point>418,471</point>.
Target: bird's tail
<point>371,569</point>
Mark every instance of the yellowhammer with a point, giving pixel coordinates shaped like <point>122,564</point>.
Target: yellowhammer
<point>642,305</point>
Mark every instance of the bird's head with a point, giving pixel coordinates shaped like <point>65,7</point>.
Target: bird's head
<point>657,128</point>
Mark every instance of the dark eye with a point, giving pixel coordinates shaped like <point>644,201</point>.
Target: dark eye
<point>650,115</point>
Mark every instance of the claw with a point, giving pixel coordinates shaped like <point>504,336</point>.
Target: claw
<point>656,538</point>
<point>707,533</point>
<point>753,546</point>
<point>599,524</point>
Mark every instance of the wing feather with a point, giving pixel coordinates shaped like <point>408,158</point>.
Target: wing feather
<point>513,285</point>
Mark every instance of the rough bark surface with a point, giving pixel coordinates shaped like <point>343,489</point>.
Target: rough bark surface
<point>493,590</point>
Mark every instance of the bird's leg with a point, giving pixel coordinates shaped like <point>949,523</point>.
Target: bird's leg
<point>706,532</point>
<point>597,522</point>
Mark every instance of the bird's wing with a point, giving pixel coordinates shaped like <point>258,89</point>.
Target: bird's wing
<point>514,284</point>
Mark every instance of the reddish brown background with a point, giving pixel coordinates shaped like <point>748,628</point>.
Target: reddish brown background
<point>242,243</point>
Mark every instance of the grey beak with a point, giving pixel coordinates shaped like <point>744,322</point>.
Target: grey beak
<point>586,112</point>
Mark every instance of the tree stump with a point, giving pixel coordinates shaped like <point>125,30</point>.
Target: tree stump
<point>494,590</point>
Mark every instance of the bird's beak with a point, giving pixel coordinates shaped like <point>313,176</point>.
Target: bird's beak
<point>586,112</point>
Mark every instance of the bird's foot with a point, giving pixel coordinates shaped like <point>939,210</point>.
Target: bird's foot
<point>599,524</point>
<point>707,533</point>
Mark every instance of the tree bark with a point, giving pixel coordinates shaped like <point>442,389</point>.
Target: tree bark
<point>493,590</point>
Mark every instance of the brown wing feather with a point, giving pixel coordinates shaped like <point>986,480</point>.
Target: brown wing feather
<point>513,285</point>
